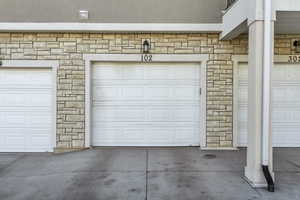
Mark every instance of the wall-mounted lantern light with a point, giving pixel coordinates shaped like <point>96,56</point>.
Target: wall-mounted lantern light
<point>146,46</point>
<point>297,45</point>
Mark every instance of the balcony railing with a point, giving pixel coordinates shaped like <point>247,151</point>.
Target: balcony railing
<point>230,3</point>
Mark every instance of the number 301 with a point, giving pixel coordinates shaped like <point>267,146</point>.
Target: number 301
<point>294,59</point>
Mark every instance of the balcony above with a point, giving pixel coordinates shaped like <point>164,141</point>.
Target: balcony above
<point>230,3</point>
<point>240,13</point>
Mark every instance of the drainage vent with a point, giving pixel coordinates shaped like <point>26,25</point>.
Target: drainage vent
<point>209,156</point>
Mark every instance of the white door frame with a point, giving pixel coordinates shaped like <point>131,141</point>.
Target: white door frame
<point>183,58</point>
<point>44,64</point>
<point>237,59</point>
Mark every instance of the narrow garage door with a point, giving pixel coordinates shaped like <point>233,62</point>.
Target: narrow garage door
<point>146,104</point>
<point>25,110</point>
<point>285,105</point>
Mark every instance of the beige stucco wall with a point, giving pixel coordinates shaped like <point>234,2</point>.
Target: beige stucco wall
<point>69,50</point>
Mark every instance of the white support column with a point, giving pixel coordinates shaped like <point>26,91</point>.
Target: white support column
<point>253,170</point>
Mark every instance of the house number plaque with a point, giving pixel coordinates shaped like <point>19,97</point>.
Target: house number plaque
<point>294,59</point>
<point>146,58</point>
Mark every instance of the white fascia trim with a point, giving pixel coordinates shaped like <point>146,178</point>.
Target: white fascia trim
<point>110,27</point>
<point>31,64</point>
<point>184,58</point>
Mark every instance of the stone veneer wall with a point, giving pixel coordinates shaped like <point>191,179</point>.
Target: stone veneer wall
<point>69,48</point>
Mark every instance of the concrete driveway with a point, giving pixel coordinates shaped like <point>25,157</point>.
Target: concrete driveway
<point>139,174</point>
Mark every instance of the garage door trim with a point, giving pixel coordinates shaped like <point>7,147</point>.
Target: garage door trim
<point>45,64</point>
<point>156,58</point>
<point>237,59</point>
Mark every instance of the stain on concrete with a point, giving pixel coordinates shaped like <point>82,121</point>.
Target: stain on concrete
<point>109,182</point>
<point>210,156</point>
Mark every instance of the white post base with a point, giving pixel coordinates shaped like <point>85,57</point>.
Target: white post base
<point>256,178</point>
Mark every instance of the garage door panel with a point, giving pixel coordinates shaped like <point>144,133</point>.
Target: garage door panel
<point>25,98</point>
<point>154,93</point>
<point>148,113</point>
<point>133,92</point>
<point>25,140</point>
<point>27,77</point>
<point>153,71</point>
<point>187,114</point>
<point>146,92</point>
<point>171,93</point>
<point>15,139</point>
<point>286,72</point>
<point>11,119</point>
<point>186,93</point>
<point>107,72</point>
<point>281,93</point>
<point>243,115</point>
<point>108,134</point>
<point>40,140</point>
<point>160,114</point>
<point>156,73</point>
<point>287,115</point>
<point>117,93</point>
<point>172,82</point>
<point>158,135</point>
<point>242,137</point>
<point>145,136</point>
<point>285,139</point>
<point>243,94</point>
<point>189,73</point>
<point>119,114</point>
<point>118,135</point>
<point>174,72</point>
<point>133,83</point>
<point>106,93</point>
<point>25,119</point>
<point>185,134</point>
<point>285,105</point>
<point>26,110</point>
<point>133,73</point>
<point>41,99</point>
<point>146,104</point>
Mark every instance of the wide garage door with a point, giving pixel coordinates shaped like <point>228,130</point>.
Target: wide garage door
<point>137,104</point>
<point>25,110</point>
<point>285,105</point>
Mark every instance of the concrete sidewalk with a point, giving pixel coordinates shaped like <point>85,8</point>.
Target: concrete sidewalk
<point>140,173</point>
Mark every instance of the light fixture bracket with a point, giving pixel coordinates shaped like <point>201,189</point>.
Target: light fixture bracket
<point>146,46</point>
<point>296,44</point>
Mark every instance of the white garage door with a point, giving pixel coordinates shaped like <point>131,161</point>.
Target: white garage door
<point>25,110</point>
<point>285,105</point>
<point>146,104</point>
